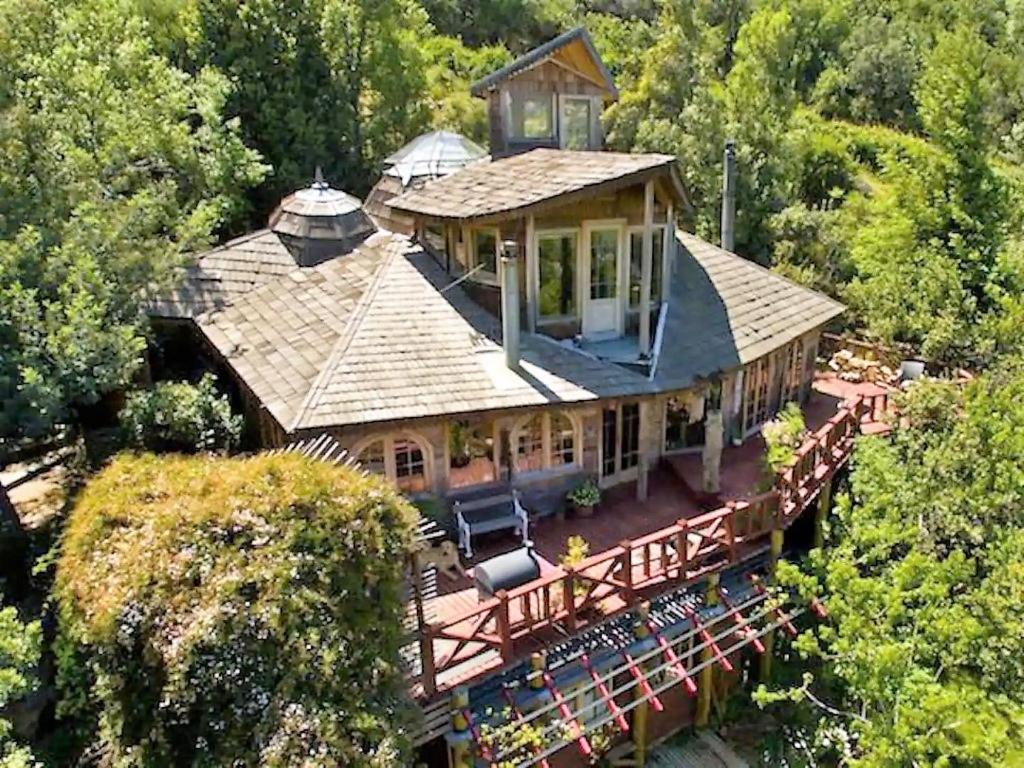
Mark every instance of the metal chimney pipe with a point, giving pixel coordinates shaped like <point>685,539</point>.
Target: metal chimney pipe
<point>729,196</point>
<point>510,302</point>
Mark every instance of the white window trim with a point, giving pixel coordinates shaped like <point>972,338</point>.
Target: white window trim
<point>390,465</point>
<point>593,103</point>
<point>547,468</point>
<point>619,475</point>
<point>469,239</point>
<point>638,229</point>
<point>589,227</point>
<point>557,232</point>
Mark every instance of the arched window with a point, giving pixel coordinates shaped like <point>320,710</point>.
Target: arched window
<point>400,458</point>
<point>471,458</point>
<point>545,441</point>
<point>530,444</point>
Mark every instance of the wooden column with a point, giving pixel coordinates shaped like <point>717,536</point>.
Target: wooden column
<point>765,663</point>
<point>640,631</point>
<point>532,275</point>
<point>706,682</point>
<point>460,737</point>
<point>645,269</point>
<point>821,514</point>
<point>668,257</point>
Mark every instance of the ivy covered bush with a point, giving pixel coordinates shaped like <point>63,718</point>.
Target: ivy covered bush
<point>234,611</point>
<point>181,417</point>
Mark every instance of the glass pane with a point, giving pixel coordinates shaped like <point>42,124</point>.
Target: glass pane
<point>636,245</point>
<point>372,458</point>
<point>530,445</point>
<point>608,440</point>
<point>576,123</point>
<point>604,260</point>
<point>562,436</point>
<point>681,431</point>
<point>557,275</point>
<point>531,117</point>
<point>486,251</point>
<point>471,453</point>
<point>409,474</point>
<point>630,435</point>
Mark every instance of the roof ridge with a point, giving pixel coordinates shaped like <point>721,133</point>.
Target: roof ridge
<point>341,346</point>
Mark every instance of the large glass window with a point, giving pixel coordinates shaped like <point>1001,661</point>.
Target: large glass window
<point>409,473</point>
<point>756,402</point>
<point>630,435</point>
<point>372,458</point>
<point>576,124</point>
<point>609,432</point>
<point>636,260</point>
<point>470,453</point>
<point>530,445</point>
<point>604,259</point>
<point>485,245</point>
<point>794,374</point>
<point>684,424</point>
<point>532,117</point>
<point>557,257</point>
<point>563,438</point>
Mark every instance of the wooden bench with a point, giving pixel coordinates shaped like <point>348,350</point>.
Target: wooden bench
<point>485,515</point>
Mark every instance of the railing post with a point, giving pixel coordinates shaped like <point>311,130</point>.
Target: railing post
<point>682,545</point>
<point>627,577</point>
<point>504,625</point>
<point>427,661</point>
<point>821,514</point>
<point>730,529</point>
<point>569,595</point>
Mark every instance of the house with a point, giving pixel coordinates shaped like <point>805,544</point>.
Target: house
<point>539,316</point>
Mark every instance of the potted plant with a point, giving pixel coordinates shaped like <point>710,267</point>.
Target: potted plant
<point>584,497</point>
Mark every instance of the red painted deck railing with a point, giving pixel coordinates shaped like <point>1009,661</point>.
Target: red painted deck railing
<point>572,598</point>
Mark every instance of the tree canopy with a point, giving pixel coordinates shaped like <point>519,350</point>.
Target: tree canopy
<point>923,574</point>
<point>217,611</point>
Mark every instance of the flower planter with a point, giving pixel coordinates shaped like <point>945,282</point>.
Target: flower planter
<point>585,511</point>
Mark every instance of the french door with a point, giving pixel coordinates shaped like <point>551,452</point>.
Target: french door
<point>603,277</point>
<point>620,443</point>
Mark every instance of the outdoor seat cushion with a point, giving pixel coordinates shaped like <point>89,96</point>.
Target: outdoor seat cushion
<point>507,571</point>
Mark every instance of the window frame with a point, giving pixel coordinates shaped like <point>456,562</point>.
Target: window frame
<point>577,234</point>
<point>660,277</point>
<point>520,137</point>
<point>563,101</point>
<point>547,465</point>
<point>390,458</point>
<point>483,275</point>
<point>757,381</point>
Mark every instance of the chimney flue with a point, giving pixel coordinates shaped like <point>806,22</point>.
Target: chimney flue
<point>729,196</point>
<point>510,302</point>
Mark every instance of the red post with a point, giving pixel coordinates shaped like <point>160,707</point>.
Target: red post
<point>427,660</point>
<point>569,596</point>
<point>627,571</point>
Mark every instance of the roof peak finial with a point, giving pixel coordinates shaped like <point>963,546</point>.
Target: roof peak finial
<point>318,178</point>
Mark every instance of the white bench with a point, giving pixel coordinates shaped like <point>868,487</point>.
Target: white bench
<point>493,513</point>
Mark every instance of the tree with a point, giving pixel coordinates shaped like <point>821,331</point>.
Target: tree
<point>116,164</point>
<point>217,611</point>
<point>19,655</point>
<point>919,662</point>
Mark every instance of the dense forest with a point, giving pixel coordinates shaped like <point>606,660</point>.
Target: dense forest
<point>880,150</point>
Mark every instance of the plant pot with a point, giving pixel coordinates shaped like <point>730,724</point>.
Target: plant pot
<point>587,511</point>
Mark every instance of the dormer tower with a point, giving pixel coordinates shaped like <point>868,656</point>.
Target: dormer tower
<point>550,97</point>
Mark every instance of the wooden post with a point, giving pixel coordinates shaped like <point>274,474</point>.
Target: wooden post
<point>627,572</point>
<point>427,660</point>
<point>532,276</point>
<point>765,663</point>
<point>640,631</point>
<point>647,260</point>
<point>705,686</point>
<point>504,625</point>
<point>824,504</point>
<point>569,597</point>
<point>460,737</point>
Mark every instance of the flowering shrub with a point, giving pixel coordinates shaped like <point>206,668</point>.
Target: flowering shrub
<point>178,416</point>
<point>235,611</point>
<point>783,435</point>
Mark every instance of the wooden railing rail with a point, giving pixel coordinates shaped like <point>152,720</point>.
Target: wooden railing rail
<point>609,582</point>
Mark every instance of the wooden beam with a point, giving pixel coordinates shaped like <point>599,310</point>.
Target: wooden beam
<point>645,268</point>
<point>532,274</point>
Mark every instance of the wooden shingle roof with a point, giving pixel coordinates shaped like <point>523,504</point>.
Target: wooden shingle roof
<point>219,276</point>
<point>526,182</point>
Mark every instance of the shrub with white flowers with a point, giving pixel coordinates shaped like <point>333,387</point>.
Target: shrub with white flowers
<point>235,611</point>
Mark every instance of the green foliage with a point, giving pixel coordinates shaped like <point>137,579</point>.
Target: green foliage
<point>586,494</point>
<point>216,611</point>
<point>783,435</point>
<point>178,416</point>
<point>19,655</point>
<point>920,660</point>
<point>116,163</point>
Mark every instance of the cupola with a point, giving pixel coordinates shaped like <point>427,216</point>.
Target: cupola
<point>318,223</point>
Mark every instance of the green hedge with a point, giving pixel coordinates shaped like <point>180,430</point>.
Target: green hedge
<point>235,611</point>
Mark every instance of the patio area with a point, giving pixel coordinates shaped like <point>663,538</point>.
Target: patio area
<point>620,516</point>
